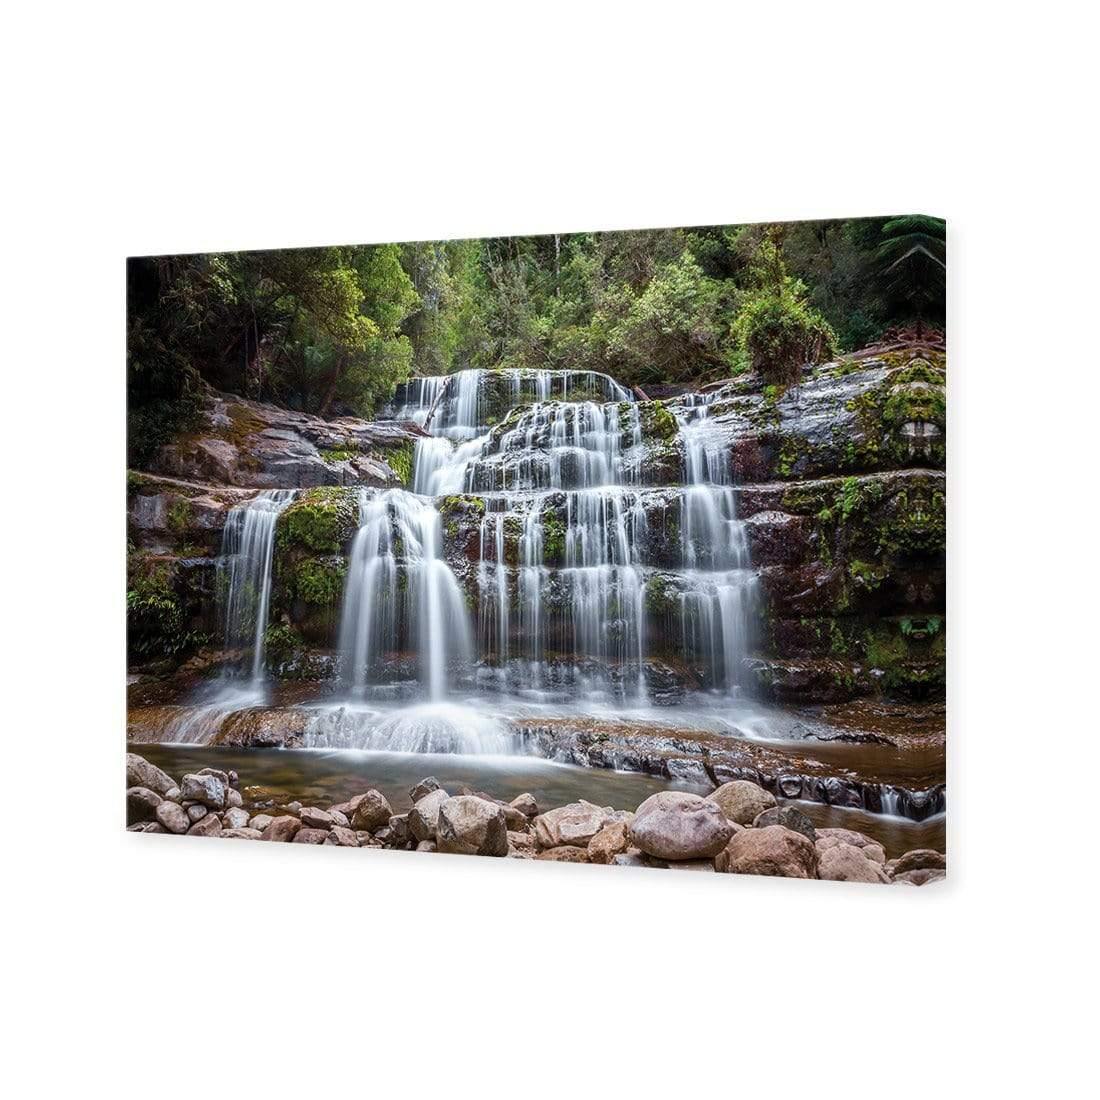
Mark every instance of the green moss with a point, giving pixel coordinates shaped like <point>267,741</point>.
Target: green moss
<point>657,421</point>
<point>790,450</point>
<point>339,454</point>
<point>660,596</point>
<point>281,641</point>
<point>179,515</point>
<point>553,538</point>
<point>461,504</point>
<point>866,575</point>
<point>400,460</point>
<point>320,519</point>
<point>320,581</point>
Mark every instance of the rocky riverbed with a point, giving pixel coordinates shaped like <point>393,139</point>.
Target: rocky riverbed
<point>739,828</point>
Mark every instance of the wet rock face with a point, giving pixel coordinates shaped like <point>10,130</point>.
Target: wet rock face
<point>259,446</point>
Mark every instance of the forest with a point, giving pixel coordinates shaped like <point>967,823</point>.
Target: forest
<point>334,330</point>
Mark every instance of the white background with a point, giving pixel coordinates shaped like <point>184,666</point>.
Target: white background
<point>153,967</point>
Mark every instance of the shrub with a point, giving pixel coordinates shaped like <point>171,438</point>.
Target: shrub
<point>778,333</point>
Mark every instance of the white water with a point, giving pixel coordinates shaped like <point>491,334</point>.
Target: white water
<point>716,604</point>
<point>400,593</point>
<point>248,543</point>
<point>569,542</point>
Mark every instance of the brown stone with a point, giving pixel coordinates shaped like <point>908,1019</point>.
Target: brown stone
<point>281,828</point>
<point>608,843</point>
<point>372,811</point>
<point>314,818</point>
<point>173,817</point>
<point>141,805</point>
<point>564,853</point>
<point>678,825</point>
<point>469,825</point>
<point>839,862</point>
<point>210,825</point>
<point>742,800</point>
<point>772,850</point>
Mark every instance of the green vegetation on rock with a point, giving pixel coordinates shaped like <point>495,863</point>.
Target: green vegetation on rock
<point>320,519</point>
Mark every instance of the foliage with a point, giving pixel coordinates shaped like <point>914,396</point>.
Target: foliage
<point>155,625</point>
<point>320,519</point>
<point>777,330</point>
<point>333,330</point>
<point>320,581</point>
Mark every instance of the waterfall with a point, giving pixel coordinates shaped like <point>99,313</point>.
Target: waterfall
<point>416,399</point>
<point>717,602</point>
<point>400,593</point>
<point>247,548</point>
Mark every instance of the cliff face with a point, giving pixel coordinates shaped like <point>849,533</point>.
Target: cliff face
<point>838,486</point>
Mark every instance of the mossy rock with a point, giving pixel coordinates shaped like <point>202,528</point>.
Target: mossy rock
<point>657,422</point>
<point>320,581</point>
<point>323,520</point>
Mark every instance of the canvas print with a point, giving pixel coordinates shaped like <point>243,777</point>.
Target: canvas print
<point>624,549</point>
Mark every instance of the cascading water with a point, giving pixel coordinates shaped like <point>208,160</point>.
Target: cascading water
<point>245,564</point>
<point>717,602</point>
<point>400,593</point>
<point>247,548</point>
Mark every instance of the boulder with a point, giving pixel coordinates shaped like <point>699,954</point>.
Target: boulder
<point>314,818</point>
<point>173,817</point>
<point>526,805</point>
<point>209,790</point>
<point>399,830</point>
<point>140,773</point>
<point>841,862</point>
<point>872,849</point>
<point>235,818</point>
<point>789,818</point>
<point>281,828</point>
<point>521,845</point>
<point>426,846</point>
<point>576,824</point>
<point>424,787</point>
<point>342,836</point>
<point>564,853</point>
<point>773,850</point>
<point>210,825</point>
<point>196,811</point>
<point>678,825</point>
<point>241,834</point>
<point>425,814</point>
<point>919,859</point>
<point>468,825</point>
<point>632,857</point>
<point>741,801</point>
<point>372,811</point>
<point>260,821</point>
<point>141,805</point>
<point>306,835</point>
<point>608,842</point>
<point>920,876</point>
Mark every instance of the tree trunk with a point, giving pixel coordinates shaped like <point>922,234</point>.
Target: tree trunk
<point>330,392</point>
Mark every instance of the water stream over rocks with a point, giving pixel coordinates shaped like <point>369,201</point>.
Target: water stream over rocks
<point>564,577</point>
